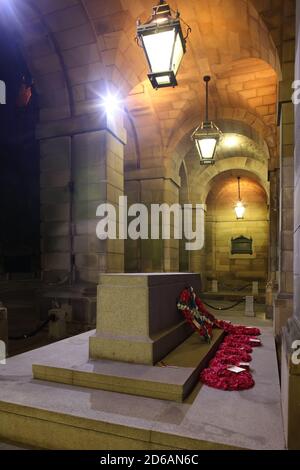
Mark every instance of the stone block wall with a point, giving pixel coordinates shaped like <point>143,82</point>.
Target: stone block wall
<point>151,255</point>
<point>78,173</point>
<point>55,207</point>
<point>220,263</point>
<point>286,46</point>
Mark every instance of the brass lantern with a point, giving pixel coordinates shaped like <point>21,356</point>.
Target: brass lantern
<point>240,206</point>
<point>164,44</point>
<point>206,136</point>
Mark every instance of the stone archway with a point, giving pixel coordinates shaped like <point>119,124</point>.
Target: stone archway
<point>77,50</point>
<point>232,270</point>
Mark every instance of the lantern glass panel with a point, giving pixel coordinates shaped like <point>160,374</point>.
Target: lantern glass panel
<point>178,54</point>
<point>159,48</point>
<point>240,210</point>
<point>163,80</point>
<point>206,148</point>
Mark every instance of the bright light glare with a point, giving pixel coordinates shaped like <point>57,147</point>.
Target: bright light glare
<point>111,104</point>
<point>163,80</point>
<point>231,141</point>
<point>240,210</point>
<point>206,147</point>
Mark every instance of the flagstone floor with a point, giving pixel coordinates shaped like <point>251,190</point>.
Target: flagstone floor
<point>213,420</point>
<point>7,446</point>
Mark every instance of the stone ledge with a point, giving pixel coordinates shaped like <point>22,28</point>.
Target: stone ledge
<point>45,428</point>
<point>173,382</point>
<point>137,349</point>
<point>56,416</point>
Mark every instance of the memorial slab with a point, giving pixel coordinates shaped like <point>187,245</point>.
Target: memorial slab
<point>137,316</point>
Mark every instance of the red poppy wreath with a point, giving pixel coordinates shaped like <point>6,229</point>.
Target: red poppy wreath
<point>230,368</point>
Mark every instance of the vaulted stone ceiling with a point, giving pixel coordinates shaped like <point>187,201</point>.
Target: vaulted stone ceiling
<point>224,190</point>
<point>230,42</point>
<point>74,46</point>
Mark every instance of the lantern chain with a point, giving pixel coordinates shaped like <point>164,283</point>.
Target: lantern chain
<point>176,12</point>
<point>239,187</point>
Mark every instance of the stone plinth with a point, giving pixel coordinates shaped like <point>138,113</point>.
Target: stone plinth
<point>214,288</point>
<point>38,414</point>
<point>249,307</point>
<point>137,316</point>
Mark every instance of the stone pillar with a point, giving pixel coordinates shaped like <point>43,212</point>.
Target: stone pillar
<point>283,304</point>
<point>273,226</point>
<point>152,187</point>
<point>249,306</point>
<point>198,257</point>
<point>214,288</point>
<point>273,269</point>
<point>81,167</point>
<point>290,369</point>
<point>255,288</point>
<point>55,183</point>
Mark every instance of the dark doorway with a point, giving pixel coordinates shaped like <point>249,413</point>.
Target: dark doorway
<point>19,163</point>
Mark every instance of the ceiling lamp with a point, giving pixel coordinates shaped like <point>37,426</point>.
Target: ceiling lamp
<point>239,207</point>
<point>164,44</point>
<point>207,135</point>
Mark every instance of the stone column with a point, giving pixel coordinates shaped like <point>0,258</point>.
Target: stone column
<point>81,167</point>
<point>272,285</point>
<point>290,369</point>
<point>198,257</point>
<point>155,186</point>
<point>274,212</point>
<point>283,306</point>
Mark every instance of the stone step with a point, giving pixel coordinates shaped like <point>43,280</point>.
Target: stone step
<point>61,416</point>
<point>172,379</point>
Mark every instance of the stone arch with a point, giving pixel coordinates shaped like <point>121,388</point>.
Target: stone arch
<point>203,180</point>
<point>227,25</point>
<point>222,227</point>
<point>66,55</point>
<point>73,48</point>
<point>254,144</point>
<point>245,84</point>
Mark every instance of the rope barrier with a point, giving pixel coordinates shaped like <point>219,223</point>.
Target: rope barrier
<point>236,289</point>
<point>35,332</point>
<point>224,308</point>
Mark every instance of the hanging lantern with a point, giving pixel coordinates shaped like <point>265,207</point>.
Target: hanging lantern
<point>239,207</point>
<point>164,44</point>
<point>207,136</point>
